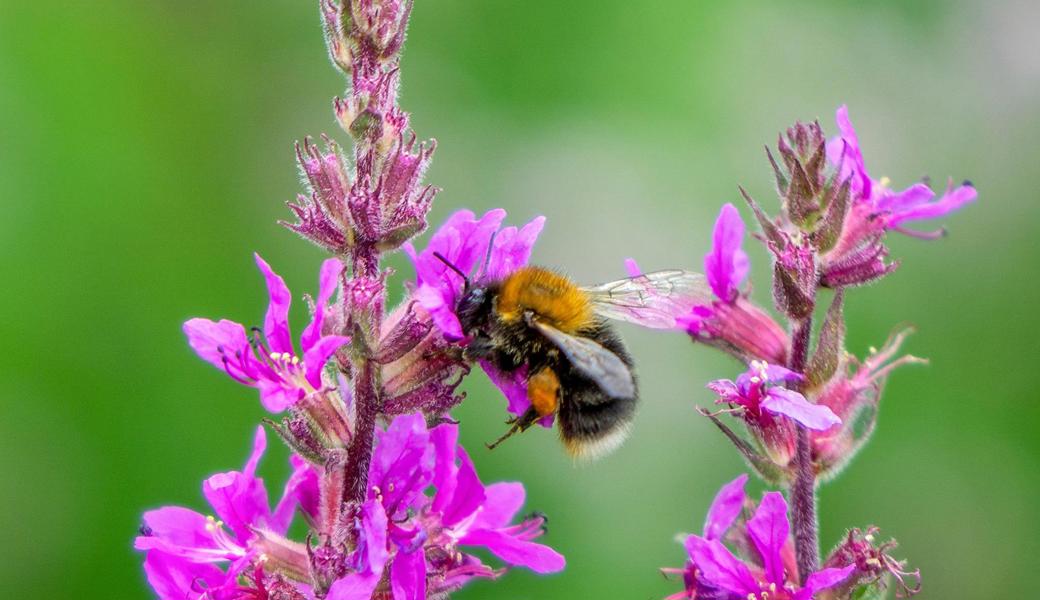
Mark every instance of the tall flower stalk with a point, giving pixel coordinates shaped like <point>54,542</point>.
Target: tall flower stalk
<point>805,420</point>
<point>392,503</point>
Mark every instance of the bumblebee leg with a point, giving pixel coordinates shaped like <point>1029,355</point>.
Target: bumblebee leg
<point>543,390</point>
<point>520,424</point>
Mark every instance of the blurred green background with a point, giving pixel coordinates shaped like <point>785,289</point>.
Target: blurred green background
<point>145,152</point>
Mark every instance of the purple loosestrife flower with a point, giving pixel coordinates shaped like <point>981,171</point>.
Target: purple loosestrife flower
<point>185,548</point>
<point>731,322</point>
<point>419,537</point>
<point>267,360</point>
<point>768,571</point>
<point>464,241</point>
<point>768,408</point>
<point>858,255</point>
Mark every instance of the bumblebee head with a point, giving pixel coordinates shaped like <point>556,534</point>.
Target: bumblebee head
<point>473,308</point>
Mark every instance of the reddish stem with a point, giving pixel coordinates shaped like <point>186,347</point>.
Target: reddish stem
<point>803,492</point>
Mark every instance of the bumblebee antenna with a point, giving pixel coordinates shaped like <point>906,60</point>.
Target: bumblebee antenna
<point>451,266</point>
<point>487,257</point>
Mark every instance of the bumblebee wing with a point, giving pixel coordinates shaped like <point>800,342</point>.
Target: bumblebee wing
<point>652,299</point>
<point>597,363</point>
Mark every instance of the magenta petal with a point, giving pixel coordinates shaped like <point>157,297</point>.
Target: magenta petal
<point>408,575</point>
<point>356,586</point>
<point>768,530</point>
<point>317,355</point>
<point>778,374</point>
<point>727,264</point>
<point>372,550</point>
<point>239,500</point>
<point>444,439</point>
<point>208,338</point>
<point>724,509</point>
<point>782,401</point>
<point>952,200</point>
<point>632,267</point>
<point>402,462</point>
<point>469,492</point>
<point>276,322</point>
<point>259,447</point>
<point>821,580</point>
<point>328,279</point>
<point>719,567</point>
<point>514,551</point>
<point>175,578</point>
<point>912,196</point>
<point>726,390</point>
<point>275,396</point>
<point>301,489</point>
<point>854,163</point>
<point>512,248</point>
<point>441,310</point>
<point>178,530</point>
<point>503,501</point>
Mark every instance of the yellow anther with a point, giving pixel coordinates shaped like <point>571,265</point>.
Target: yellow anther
<point>295,360</point>
<point>755,379</point>
<point>286,356</point>
<point>772,587</point>
<point>873,562</point>
<point>274,356</point>
<point>869,538</point>
<point>884,181</point>
<point>873,349</point>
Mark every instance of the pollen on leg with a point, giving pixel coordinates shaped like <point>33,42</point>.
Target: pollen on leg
<point>543,389</point>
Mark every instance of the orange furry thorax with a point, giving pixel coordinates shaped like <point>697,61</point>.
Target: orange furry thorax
<point>554,298</point>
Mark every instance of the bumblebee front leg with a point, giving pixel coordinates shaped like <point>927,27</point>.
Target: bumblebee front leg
<point>543,390</point>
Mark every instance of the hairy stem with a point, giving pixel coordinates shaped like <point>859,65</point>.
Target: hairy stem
<point>359,454</point>
<point>367,387</point>
<point>803,492</point>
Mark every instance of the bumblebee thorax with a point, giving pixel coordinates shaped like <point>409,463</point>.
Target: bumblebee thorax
<point>552,297</point>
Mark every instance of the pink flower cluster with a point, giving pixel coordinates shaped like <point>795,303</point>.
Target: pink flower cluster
<point>392,504</point>
<point>425,508</point>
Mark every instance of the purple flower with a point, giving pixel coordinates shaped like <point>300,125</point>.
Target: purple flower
<point>269,362</point>
<point>419,537</point>
<point>463,240</point>
<point>185,547</point>
<point>770,572</point>
<point>760,389</point>
<point>858,255</point>
<point>726,266</point>
<point>731,322</point>
<point>768,408</point>
<point>475,515</point>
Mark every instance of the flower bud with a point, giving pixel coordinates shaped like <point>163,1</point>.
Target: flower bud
<point>376,26</point>
<point>794,277</point>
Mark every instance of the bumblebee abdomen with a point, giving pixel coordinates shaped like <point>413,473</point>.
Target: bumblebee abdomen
<point>554,298</point>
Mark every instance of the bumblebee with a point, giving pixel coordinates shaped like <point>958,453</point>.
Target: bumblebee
<point>577,366</point>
